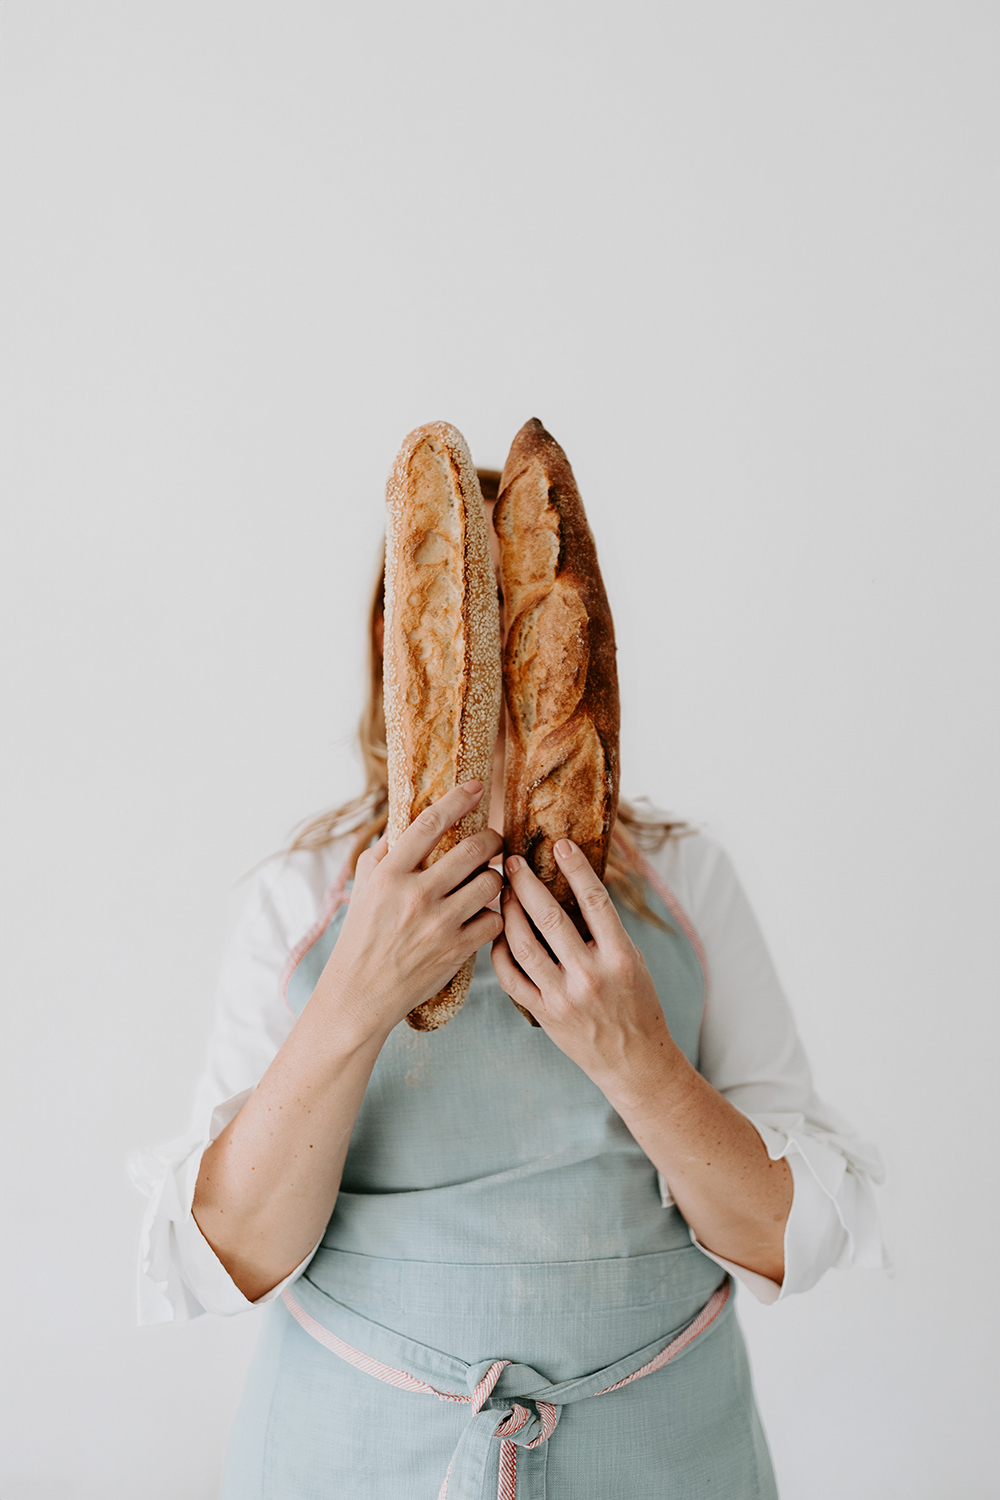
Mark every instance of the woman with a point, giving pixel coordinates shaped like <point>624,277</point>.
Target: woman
<point>499,1258</point>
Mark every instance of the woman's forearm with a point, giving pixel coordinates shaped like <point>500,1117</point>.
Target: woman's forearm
<point>598,1003</point>
<point>268,1184</point>
<point>734,1197</point>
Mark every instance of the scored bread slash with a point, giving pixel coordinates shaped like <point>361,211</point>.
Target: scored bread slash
<point>442,681</point>
<point>560,677</point>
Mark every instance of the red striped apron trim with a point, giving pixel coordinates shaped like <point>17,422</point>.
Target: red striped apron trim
<point>335,898</point>
<point>507,1478</point>
<point>548,1414</point>
<point>687,1336</point>
<point>685,923</point>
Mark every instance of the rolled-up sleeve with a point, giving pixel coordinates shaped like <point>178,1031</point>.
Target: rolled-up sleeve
<point>179,1275</point>
<point>751,1052</point>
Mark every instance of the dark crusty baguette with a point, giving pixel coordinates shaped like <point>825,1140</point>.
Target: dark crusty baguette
<point>442,682</point>
<point>560,680</point>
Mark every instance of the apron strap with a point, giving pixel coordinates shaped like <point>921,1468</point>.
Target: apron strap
<point>516,1426</point>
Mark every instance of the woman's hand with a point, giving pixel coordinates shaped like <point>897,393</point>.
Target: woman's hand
<point>267,1185</point>
<point>595,1000</point>
<point>598,1003</point>
<point>408,931</point>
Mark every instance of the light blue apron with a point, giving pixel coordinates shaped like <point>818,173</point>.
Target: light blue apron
<point>493,1207</point>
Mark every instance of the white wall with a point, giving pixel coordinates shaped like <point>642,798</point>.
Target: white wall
<point>741,259</point>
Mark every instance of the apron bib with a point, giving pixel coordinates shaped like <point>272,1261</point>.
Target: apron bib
<point>499,1257</point>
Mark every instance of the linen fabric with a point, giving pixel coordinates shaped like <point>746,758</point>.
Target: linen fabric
<point>493,1206</point>
<point>311,1427</point>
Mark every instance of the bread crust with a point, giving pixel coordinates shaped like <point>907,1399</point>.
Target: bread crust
<point>441,673</point>
<point>560,678</point>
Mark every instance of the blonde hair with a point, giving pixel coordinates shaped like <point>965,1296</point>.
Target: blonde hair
<point>366,814</point>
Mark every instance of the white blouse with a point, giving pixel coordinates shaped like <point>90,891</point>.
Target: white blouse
<point>749,1050</point>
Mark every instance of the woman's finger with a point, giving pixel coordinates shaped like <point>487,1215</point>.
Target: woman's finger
<point>424,833</point>
<point>544,910</point>
<point>591,894</point>
<point>525,949</point>
<point>469,899</point>
<point>513,981</point>
<point>454,868</point>
<point>485,928</point>
<point>368,859</point>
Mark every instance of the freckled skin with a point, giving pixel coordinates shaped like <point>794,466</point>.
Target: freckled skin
<point>597,1002</point>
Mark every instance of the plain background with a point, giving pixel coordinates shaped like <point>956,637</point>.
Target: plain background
<point>741,260</point>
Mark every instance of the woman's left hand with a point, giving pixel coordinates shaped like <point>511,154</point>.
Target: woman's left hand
<point>597,1002</point>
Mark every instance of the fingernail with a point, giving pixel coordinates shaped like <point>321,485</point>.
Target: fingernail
<point>472,786</point>
<point>513,863</point>
<point>564,848</point>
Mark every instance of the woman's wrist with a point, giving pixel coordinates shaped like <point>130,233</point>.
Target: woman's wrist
<point>356,1013</point>
<point>650,1072</point>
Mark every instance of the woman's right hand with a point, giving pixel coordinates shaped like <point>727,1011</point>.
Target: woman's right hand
<point>409,930</point>
<point>268,1183</point>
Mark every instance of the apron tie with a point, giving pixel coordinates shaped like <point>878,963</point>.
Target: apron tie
<point>517,1427</point>
<point>505,1420</point>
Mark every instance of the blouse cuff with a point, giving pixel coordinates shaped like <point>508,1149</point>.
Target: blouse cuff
<point>763,1288</point>
<point>833,1221</point>
<point>180,1276</point>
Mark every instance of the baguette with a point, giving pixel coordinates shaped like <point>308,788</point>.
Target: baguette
<point>442,677</point>
<point>560,680</point>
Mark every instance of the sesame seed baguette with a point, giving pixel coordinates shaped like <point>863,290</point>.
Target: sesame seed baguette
<point>442,677</point>
<point>560,679</point>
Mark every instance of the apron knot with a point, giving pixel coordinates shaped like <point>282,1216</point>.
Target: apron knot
<point>482,1378</point>
<point>529,1427</point>
<point>514,1426</point>
<point>503,1411</point>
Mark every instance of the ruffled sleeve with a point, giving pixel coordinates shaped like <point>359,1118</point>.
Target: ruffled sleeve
<point>751,1052</point>
<point>179,1275</point>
